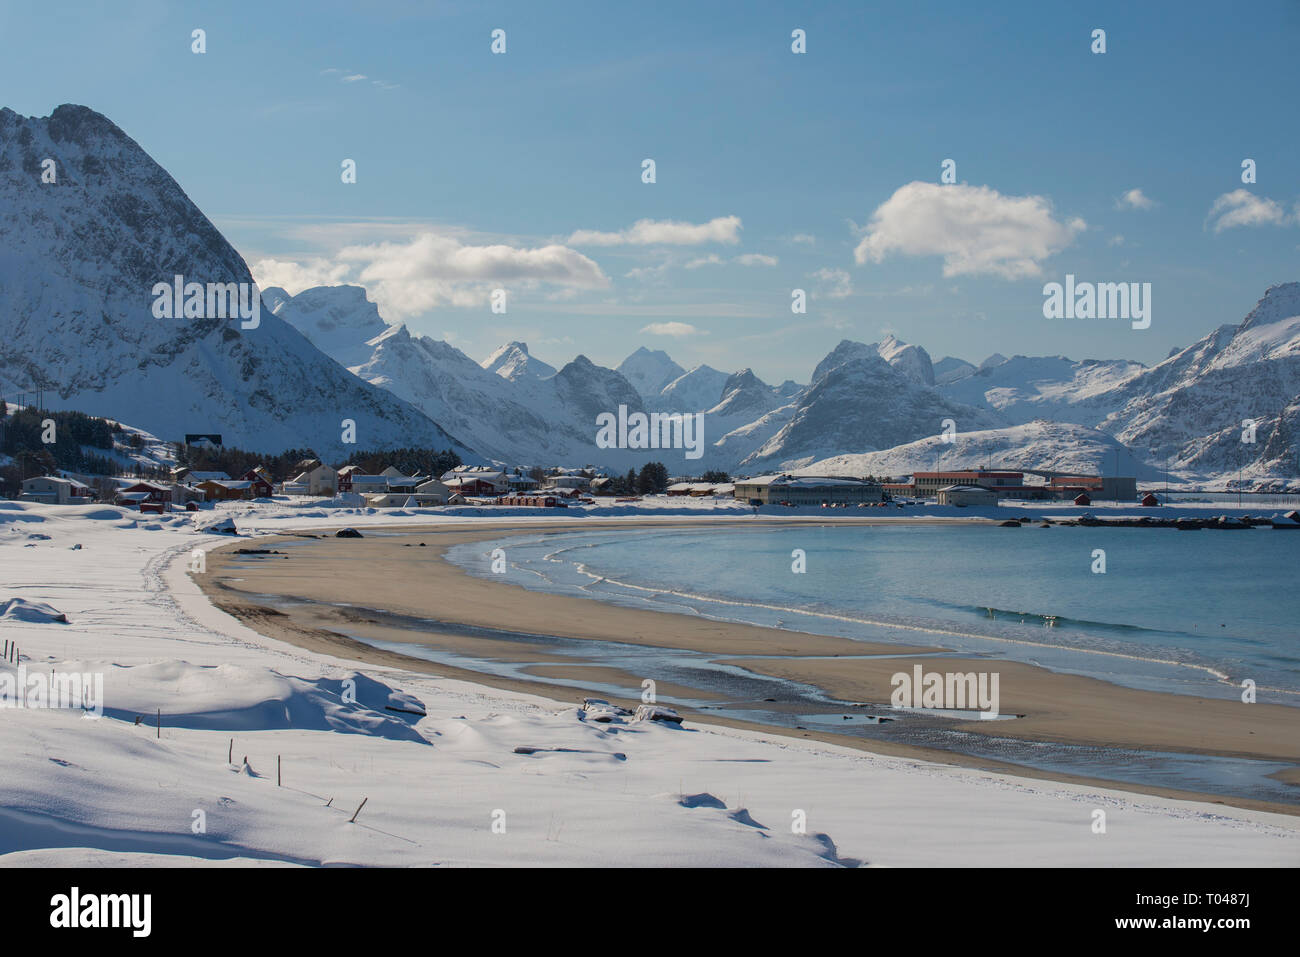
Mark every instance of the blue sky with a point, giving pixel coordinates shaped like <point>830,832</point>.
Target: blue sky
<point>774,170</point>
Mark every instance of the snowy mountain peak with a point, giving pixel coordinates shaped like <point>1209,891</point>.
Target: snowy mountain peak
<point>846,351</point>
<point>696,391</point>
<point>337,320</point>
<point>949,369</point>
<point>82,258</point>
<point>912,361</point>
<point>1279,302</point>
<point>992,361</point>
<point>274,299</point>
<point>514,362</point>
<point>744,379</point>
<point>649,370</point>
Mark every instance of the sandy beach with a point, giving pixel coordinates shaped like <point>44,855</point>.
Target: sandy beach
<point>380,579</point>
<point>282,724</point>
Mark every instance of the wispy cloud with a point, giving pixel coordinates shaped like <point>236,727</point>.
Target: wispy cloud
<point>976,229</point>
<point>352,76</point>
<point>836,283</point>
<point>677,330</point>
<point>748,259</point>
<point>650,232</point>
<point>648,273</point>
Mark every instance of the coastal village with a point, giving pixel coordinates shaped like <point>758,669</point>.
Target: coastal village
<point>189,489</point>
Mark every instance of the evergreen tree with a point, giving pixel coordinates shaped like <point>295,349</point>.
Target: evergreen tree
<point>652,478</point>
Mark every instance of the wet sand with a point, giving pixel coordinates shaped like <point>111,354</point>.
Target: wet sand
<point>390,574</point>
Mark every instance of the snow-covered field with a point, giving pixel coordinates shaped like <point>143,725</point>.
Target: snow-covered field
<point>449,788</point>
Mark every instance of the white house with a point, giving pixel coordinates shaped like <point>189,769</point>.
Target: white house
<point>314,478</point>
<point>568,483</point>
<point>53,490</point>
<point>967,495</point>
<point>431,492</point>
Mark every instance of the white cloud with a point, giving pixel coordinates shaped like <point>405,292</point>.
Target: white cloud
<point>674,329</point>
<point>648,273</point>
<point>748,259</point>
<point>840,283</point>
<point>976,230</point>
<point>408,278</point>
<point>650,232</point>
<point>1135,199</point>
<point>805,238</point>
<point>1116,240</point>
<point>295,277</point>
<point>1243,208</point>
<point>347,76</point>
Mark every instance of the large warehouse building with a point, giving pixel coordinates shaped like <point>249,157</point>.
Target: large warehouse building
<point>807,490</point>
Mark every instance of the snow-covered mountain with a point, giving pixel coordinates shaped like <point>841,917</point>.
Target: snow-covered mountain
<point>1195,408</point>
<point>1039,445</point>
<point>79,261</point>
<point>911,360</point>
<point>337,320</point>
<point>694,391</point>
<point>859,400</point>
<point>440,380</point>
<point>1189,413</point>
<point>82,257</point>
<point>649,371</point>
<point>745,399</point>
<point>1024,388</point>
<point>513,408</point>
<point>514,362</point>
<point>949,369</point>
<point>788,390</point>
<point>880,400</point>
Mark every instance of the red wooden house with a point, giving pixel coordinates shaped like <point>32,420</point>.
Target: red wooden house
<point>140,493</point>
<point>260,482</point>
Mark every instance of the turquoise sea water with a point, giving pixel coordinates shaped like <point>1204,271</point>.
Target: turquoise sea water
<point>1192,612</point>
